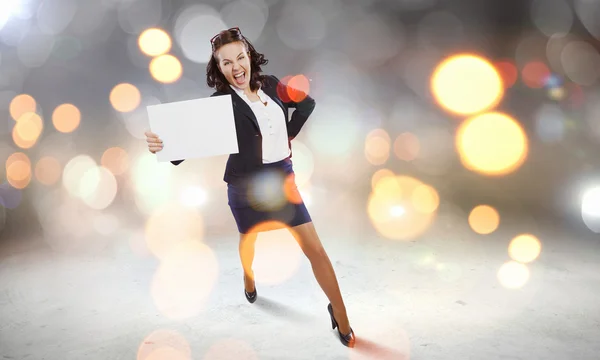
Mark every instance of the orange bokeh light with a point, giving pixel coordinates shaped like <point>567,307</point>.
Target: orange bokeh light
<point>18,170</point>
<point>298,88</point>
<point>508,71</point>
<point>534,74</point>
<point>125,97</point>
<point>22,104</point>
<point>66,118</point>
<point>48,170</point>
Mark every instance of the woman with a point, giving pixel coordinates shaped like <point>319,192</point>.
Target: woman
<point>264,137</point>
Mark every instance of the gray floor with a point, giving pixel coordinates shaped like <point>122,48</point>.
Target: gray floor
<point>435,298</point>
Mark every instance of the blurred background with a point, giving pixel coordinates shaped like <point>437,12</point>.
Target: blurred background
<point>483,102</point>
<point>467,125</point>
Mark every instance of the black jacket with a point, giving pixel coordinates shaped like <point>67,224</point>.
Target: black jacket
<point>249,157</point>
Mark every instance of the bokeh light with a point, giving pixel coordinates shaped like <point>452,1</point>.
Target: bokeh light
<point>535,74</point>
<point>184,279</point>
<point>400,209</point>
<point>98,187</point>
<point>550,123</point>
<point>298,88</point>
<point>581,62</point>
<point>66,118</point>
<point>377,146</point>
<point>152,183</point>
<point>277,253</point>
<point>407,146</point>
<point>484,219</point>
<point>524,248</point>
<point>166,69</point>
<point>379,175</point>
<point>230,349</point>
<point>508,71</point>
<point>48,170</point>
<point>73,173</point>
<point>193,196</point>
<point>466,84</point>
<point>303,162</point>
<point>125,97</point>
<point>18,170</point>
<point>10,197</point>
<point>27,130</point>
<point>171,225</point>
<point>154,42</point>
<point>552,16</point>
<point>21,104</point>
<point>116,160</point>
<point>164,344</point>
<point>266,191</point>
<point>513,275</point>
<point>425,199</point>
<point>194,27</point>
<point>492,144</point>
<point>590,208</point>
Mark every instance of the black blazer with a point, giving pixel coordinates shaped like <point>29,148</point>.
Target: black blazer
<point>249,157</point>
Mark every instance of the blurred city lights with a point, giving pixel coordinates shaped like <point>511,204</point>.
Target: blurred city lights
<point>513,275</point>
<point>125,97</point>
<point>466,84</point>
<point>377,146</point>
<point>166,69</point>
<point>524,248</point>
<point>535,74</point>
<point>27,130</point>
<point>193,196</point>
<point>402,207</point>
<point>21,104</point>
<point>407,146</point>
<point>277,254</point>
<point>484,219</point>
<point>184,279</point>
<point>66,118</point>
<point>18,170</point>
<point>154,42</point>
<point>171,225</point>
<point>48,170</point>
<point>164,344</point>
<point>590,208</point>
<point>116,160</point>
<point>298,88</point>
<point>492,144</point>
<point>508,71</point>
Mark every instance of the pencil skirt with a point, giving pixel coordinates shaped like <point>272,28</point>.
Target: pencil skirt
<point>267,199</point>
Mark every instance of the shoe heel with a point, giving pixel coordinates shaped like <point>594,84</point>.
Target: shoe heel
<point>333,322</point>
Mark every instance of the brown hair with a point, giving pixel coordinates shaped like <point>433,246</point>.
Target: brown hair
<point>215,79</point>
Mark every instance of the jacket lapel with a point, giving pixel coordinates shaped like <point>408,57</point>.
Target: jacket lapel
<point>240,105</point>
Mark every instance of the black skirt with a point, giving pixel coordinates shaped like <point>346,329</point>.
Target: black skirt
<point>267,199</point>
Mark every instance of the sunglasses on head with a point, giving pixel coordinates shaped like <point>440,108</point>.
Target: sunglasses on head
<point>233,29</point>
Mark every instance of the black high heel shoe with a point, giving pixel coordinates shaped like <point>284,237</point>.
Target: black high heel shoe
<point>250,296</point>
<point>347,340</point>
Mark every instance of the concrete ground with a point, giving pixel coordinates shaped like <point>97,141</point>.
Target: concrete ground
<point>437,297</point>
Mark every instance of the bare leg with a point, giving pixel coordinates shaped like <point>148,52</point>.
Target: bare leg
<point>307,238</point>
<point>247,242</point>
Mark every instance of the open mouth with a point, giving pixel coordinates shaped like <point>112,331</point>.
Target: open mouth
<point>240,78</point>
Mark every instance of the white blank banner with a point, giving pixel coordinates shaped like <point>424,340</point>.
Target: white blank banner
<point>194,128</point>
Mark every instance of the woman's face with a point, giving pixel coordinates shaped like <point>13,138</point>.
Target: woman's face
<point>234,63</point>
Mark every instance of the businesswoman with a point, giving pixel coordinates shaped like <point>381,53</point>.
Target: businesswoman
<point>264,134</point>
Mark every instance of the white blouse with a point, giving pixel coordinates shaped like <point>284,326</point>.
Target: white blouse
<point>272,126</point>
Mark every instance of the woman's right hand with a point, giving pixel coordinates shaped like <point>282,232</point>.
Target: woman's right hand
<point>155,144</point>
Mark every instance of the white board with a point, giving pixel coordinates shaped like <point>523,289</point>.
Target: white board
<point>196,128</point>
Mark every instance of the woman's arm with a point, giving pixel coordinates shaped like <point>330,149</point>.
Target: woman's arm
<point>302,111</point>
